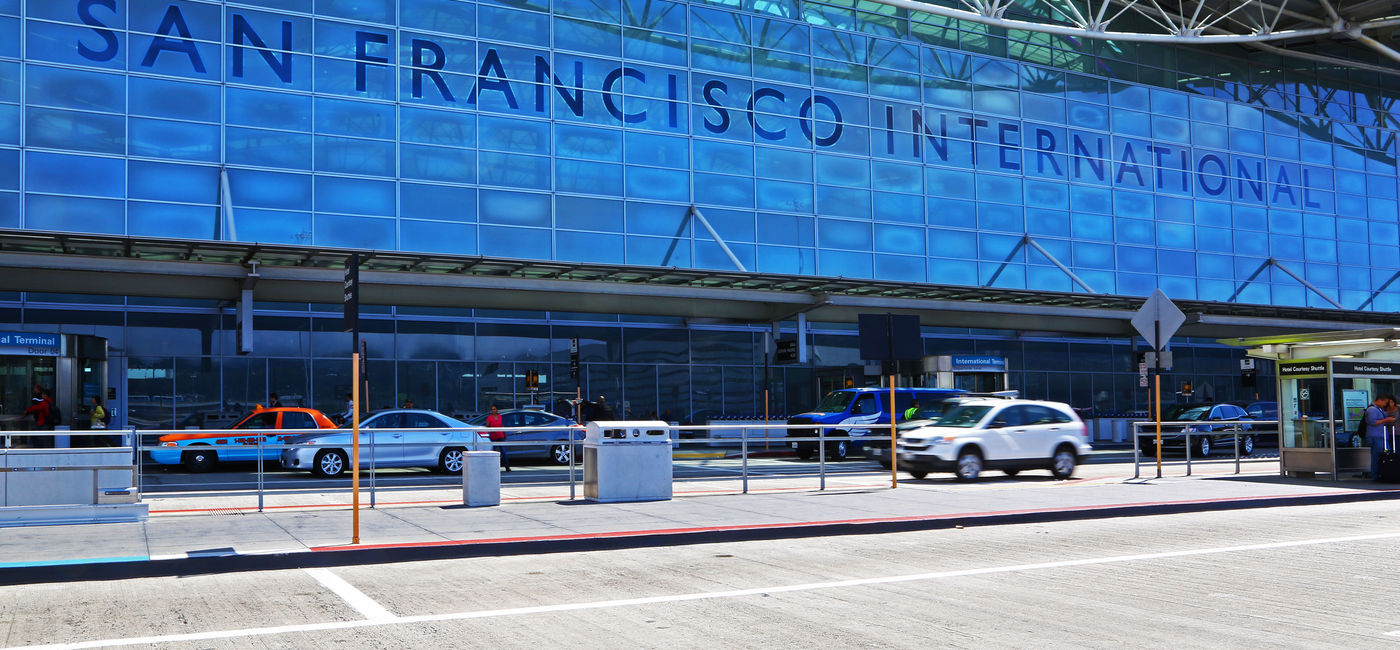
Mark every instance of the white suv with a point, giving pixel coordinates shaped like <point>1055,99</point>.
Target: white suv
<point>1005,434</point>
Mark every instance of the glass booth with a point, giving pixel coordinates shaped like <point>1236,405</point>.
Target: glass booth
<point>71,367</point>
<point>1325,382</point>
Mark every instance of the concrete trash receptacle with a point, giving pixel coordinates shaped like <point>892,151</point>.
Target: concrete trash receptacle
<point>627,461</point>
<point>481,478</point>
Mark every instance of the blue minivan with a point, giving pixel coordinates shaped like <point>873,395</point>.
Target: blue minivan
<point>858,413</point>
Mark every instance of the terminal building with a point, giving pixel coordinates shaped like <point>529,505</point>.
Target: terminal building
<point>683,188</point>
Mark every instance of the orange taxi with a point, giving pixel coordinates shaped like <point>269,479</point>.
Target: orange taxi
<point>201,451</point>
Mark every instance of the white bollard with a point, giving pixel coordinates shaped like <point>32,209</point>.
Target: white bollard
<point>481,478</point>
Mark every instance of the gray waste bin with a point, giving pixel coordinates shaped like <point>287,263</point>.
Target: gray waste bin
<point>481,478</point>
<point>626,461</point>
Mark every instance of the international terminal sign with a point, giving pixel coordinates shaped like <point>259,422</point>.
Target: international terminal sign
<point>273,49</point>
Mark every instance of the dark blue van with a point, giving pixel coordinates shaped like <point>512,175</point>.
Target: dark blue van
<point>858,413</point>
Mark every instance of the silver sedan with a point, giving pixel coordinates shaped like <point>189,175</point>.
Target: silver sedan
<point>394,438</point>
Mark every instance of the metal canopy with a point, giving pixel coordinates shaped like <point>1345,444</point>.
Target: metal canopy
<point>171,268</point>
<point>1303,28</point>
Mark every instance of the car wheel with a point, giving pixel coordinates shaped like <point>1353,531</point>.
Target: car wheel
<point>1247,445</point>
<point>450,461</point>
<point>839,450</point>
<point>805,453</point>
<point>330,463</point>
<point>560,454</point>
<point>969,465</point>
<point>884,464</point>
<point>200,459</point>
<point>1203,446</point>
<point>1011,472</point>
<point>918,474</point>
<point>1063,464</point>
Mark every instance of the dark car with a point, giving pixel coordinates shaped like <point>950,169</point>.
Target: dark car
<point>548,429</point>
<point>1224,420</point>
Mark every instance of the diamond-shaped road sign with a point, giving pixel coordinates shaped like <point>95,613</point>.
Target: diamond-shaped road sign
<point>1158,320</point>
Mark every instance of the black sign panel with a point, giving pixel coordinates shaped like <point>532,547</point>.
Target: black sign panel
<point>890,337</point>
<point>786,351</point>
<point>1299,368</point>
<point>352,293</point>
<point>1365,367</point>
<point>573,358</point>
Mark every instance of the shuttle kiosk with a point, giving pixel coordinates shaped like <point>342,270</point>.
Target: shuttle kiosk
<point>1325,381</point>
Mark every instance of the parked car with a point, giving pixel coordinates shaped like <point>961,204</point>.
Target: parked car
<point>202,451</point>
<point>393,438</point>
<point>550,430</point>
<point>1225,420</point>
<point>858,413</point>
<point>1010,435</point>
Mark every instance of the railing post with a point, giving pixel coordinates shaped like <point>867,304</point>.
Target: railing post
<point>1136,452</point>
<point>744,454</point>
<point>1188,451</point>
<point>573,451</point>
<point>821,454</point>
<point>260,473</point>
<point>371,468</point>
<point>1237,451</point>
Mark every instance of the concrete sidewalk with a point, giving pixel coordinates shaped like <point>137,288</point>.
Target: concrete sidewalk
<point>427,524</point>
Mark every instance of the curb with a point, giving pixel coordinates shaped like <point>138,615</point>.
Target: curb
<point>336,556</point>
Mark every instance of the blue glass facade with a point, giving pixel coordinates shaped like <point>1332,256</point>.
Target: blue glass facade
<point>854,141</point>
<point>836,139</point>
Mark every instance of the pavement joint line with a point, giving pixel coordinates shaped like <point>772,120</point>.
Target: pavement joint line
<point>431,502</point>
<point>712,595</point>
<point>356,599</point>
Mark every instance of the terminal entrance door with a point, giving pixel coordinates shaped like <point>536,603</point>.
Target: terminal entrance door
<point>17,378</point>
<point>980,382</point>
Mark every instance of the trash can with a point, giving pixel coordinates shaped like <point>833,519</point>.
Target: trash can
<point>481,478</point>
<point>626,461</point>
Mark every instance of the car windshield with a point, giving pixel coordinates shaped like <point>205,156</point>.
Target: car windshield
<point>964,417</point>
<point>834,402</point>
<point>1186,413</point>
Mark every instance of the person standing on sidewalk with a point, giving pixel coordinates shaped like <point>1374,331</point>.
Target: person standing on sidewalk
<point>1377,423</point>
<point>493,419</point>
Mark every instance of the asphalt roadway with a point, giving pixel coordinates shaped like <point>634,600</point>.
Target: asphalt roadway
<point>1292,577</point>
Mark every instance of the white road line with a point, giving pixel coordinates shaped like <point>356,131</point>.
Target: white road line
<point>738,593</point>
<point>353,597</point>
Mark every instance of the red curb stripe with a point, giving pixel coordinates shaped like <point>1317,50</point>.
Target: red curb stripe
<point>780,525</point>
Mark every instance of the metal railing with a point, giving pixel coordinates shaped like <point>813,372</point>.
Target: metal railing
<point>1182,430</point>
<point>265,446</point>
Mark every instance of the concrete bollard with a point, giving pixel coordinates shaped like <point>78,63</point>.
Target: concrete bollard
<point>481,478</point>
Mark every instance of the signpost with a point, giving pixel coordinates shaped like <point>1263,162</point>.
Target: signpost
<point>786,351</point>
<point>1157,321</point>
<point>352,324</point>
<point>887,337</point>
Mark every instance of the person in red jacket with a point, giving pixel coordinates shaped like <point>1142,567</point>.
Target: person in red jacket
<point>493,419</point>
<point>41,408</point>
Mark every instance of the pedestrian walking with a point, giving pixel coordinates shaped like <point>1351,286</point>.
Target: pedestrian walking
<point>493,419</point>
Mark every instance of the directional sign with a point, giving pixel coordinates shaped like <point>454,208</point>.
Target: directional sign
<point>352,293</point>
<point>1158,320</point>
